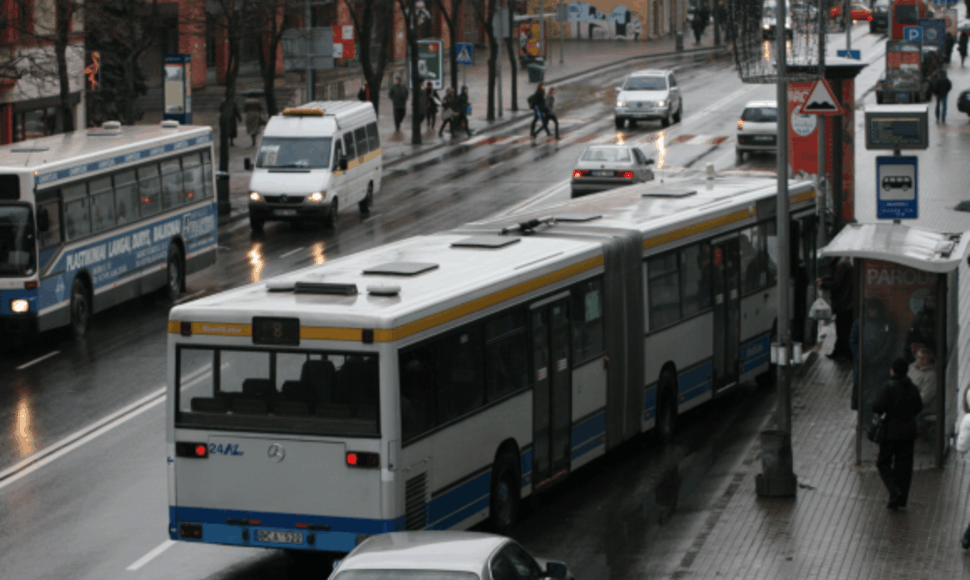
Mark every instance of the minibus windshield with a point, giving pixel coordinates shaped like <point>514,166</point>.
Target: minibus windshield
<point>294,153</point>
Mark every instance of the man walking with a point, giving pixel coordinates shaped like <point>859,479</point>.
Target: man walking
<point>550,113</point>
<point>399,100</point>
<point>461,112</point>
<point>941,88</point>
<point>537,102</point>
<point>900,400</point>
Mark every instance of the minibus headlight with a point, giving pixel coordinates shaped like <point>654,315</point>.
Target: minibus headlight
<point>253,196</point>
<point>19,306</point>
<point>316,196</point>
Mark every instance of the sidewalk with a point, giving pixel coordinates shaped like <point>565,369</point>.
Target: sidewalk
<point>581,57</point>
<point>838,526</point>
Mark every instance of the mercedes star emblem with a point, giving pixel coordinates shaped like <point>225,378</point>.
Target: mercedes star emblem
<point>276,452</point>
<point>283,198</point>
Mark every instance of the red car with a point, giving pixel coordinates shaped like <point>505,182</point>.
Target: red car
<point>856,12</point>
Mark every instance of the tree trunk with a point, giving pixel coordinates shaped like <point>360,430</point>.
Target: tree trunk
<point>63,16</point>
<point>415,87</point>
<point>267,64</point>
<point>226,117</point>
<point>492,62</point>
<point>513,59</point>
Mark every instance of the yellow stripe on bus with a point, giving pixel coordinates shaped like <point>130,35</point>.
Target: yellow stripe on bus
<point>698,228</point>
<point>357,161</point>
<point>213,328</point>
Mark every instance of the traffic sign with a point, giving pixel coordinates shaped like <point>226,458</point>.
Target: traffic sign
<point>853,54</point>
<point>914,33</point>
<point>465,52</point>
<point>821,101</point>
<point>896,188</point>
<point>933,31</point>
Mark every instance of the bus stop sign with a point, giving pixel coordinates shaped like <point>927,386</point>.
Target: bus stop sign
<point>896,185</point>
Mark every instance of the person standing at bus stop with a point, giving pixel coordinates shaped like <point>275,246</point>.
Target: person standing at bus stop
<point>254,117</point>
<point>900,400</point>
<point>962,46</point>
<point>399,100</point>
<point>839,285</point>
<point>941,88</point>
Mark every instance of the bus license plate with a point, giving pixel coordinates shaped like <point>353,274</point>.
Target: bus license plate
<point>280,537</point>
<point>284,212</point>
<point>603,174</point>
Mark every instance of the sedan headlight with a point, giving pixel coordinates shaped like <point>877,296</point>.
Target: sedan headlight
<point>621,103</point>
<point>316,196</point>
<point>19,306</point>
<point>766,26</point>
<point>253,196</point>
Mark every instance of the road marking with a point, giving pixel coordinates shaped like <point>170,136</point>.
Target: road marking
<point>37,360</point>
<point>291,252</point>
<point>151,555</point>
<point>78,438</point>
<point>539,197</point>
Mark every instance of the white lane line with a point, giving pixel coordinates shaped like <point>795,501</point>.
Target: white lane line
<point>80,437</point>
<point>291,252</point>
<point>37,360</point>
<point>535,199</point>
<point>151,555</point>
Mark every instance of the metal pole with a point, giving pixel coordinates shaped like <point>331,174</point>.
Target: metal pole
<point>498,33</point>
<point>562,34</point>
<point>542,30</point>
<point>821,198</point>
<point>309,55</point>
<point>847,19</point>
<point>783,411</point>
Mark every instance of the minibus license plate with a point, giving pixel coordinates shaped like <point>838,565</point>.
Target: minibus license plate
<point>284,212</point>
<point>280,537</point>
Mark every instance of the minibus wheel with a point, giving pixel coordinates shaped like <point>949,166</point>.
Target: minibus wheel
<point>330,222</point>
<point>364,205</point>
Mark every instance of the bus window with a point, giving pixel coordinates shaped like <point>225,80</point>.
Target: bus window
<point>363,144</point>
<point>374,137</point>
<point>150,189</point>
<point>587,320</point>
<point>77,211</point>
<point>102,204</point>
<point>192,186</point>
<point>349,145</point>
<point>506,360</point>
<point>52,236</point>
<point>126,197</point>
<point>207,173</point>
<point>695,278</point>
<point>460,373</point>
<point>417,392</point>
<point>171,183</point>
<point>663,290</point>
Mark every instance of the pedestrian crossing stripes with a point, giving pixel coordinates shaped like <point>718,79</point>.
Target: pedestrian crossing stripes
<point>618,138</point>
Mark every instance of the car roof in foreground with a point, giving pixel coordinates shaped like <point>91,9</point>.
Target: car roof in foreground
<point>651,72</point>
<point>424,550</point>
<point>757,104</point>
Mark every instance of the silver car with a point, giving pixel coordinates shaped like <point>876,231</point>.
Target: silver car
<point>603,167</point>
<point>445,555</point>
<point>648,95</point>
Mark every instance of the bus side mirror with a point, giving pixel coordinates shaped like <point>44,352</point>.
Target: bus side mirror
<point>43,219</point>
<point>342,164</point>
<point>247,164</point>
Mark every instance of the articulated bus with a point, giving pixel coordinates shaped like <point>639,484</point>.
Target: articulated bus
<point>92,218</point>
<point>434,382</point>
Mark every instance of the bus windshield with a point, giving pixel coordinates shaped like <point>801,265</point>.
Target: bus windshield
<point>905,14</point>
<point>311,392</point>
<point>17,252</point>
<point>292,153</point>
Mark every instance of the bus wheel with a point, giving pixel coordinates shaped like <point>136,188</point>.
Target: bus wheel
<point>330,222</point>
<point>364,205</point>
<point>667,407</point>
<point>80,308</point>
<point>175,279</point>
<point>504,500</point>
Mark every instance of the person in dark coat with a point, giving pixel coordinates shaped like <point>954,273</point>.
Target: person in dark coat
<point>364,93</point>
<point>537,102</point>
<point>399,100</point>
<point>460,120</point>
<point>962,46</point>
<point>941,88</point>
<point>254,117</point>
<point>235,118</point>
<point>448,113</point>
<point>948,42</point>
<point>900,400</point>
<point>839,284</point>
<point>434,102</point>
<point>551,112</point>
<point>922,333</point>
<point>877,335</point>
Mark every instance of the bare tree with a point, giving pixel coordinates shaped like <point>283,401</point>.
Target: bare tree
<point>410,10</point>
<point>451,19</point>
<point>372,27</point>
<point>485,13</point>
<point>511,46</point>
<point>272,20</point>
<point>64,13</point>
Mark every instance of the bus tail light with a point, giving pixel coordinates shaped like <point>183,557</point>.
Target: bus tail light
<point>31,285</point>
<point>195,450</point>
<point>190,531</point>
<point>363,459</point>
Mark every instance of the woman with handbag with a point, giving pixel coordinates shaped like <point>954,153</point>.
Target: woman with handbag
<point>900,401</point>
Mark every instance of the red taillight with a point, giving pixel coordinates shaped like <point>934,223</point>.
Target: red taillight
<point>625,174</point>
<point>578,173</point>
<point>363,459</point>
<point>190,531</point>
<point>195,450</point>
<point>200,451</point>
<point>31,284</point>
<point>870,17</point>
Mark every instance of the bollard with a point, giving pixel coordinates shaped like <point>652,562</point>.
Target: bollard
<point>679,41</point>
<point>709,169</point>
<point>777,478</point>
<point>222,192</point>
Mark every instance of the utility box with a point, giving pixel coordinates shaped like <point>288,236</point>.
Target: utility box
<point>537,73</point>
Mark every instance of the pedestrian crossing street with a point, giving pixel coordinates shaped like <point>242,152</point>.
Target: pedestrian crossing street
<point>661,138</point>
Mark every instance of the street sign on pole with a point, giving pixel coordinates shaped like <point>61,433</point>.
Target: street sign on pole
<point>430,62</point>
<point>913,33</point>
<point>821,101</point>
<point>896,188</point>
<point>465,52</point>
<point>853,54</point>
<point>933,31</point>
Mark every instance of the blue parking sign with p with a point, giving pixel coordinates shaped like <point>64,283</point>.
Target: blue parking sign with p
<point>914,33</point>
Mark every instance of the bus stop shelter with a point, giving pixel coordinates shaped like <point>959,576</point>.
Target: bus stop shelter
<point>906,286</point>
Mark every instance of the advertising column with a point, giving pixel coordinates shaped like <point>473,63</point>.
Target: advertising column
<point>178,88</point>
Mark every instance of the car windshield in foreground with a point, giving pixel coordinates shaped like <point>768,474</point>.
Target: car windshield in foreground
<point>760,114</point>
<point>608,154</point>
<point>645,84</point>
<point>16,241</point>
<point>310,392</point>
<point>405,575</point>
<point>283,153</point>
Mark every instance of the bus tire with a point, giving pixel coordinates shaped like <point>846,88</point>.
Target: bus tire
<point>330,222</point>
<point>174,274</point>
<point>667,407</point>
<point>504,499</point>
<point>364,205</point>
<point>80,308</point>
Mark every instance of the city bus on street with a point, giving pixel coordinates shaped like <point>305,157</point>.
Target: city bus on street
<point>95,217</point>
<point>905,13</point>
<point>435,382</point>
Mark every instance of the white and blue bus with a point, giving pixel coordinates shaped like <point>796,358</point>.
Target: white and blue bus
<point>434,382</point>
<point>92,218</point>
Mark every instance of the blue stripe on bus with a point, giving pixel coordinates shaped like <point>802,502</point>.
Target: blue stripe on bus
<point>650,403</point>
<point>755,354</point>
<point>526,467</point>
<point>460,503</point>
<point>588,435</point>
<point>342,536</point>
<point>695,382</point>
<point>86,168</point>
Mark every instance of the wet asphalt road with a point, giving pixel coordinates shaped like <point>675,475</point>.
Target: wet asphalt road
<point>95,509</point>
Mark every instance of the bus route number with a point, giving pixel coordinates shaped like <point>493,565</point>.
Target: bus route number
<point>267,330</point>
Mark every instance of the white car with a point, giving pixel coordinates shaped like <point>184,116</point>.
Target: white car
<point>603,167</point>
<point>444,555</point>
<point>648,95</point>
<point>757,129</point>
<point>769,21</point>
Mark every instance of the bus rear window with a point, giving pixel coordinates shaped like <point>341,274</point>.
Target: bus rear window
<point>319,393</point>
<point>905,14</point>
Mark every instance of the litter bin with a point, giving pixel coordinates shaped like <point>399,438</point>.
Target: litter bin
<point>537,73</point>
<point>222,192</point>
